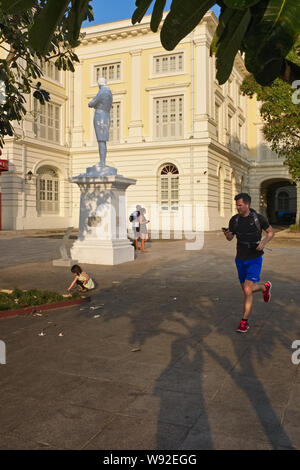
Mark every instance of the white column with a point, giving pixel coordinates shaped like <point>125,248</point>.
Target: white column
<point>77,134</point>
<point>135,126</point>
<point>202,86</point>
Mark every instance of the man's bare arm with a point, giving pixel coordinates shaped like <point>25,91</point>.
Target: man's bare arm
<point>270,234</point>
<point>229,235</point>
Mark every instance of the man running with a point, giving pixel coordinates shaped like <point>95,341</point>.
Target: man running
<point>247,226</point>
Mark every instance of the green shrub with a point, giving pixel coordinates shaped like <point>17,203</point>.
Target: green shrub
<point>21,299</point>
<point>294,228</point>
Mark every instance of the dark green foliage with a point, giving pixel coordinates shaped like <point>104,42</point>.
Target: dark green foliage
<point>23,36</point>
<point>281,117</point>
<point>157,14</point>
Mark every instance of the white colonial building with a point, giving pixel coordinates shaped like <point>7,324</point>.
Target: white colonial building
<point>188,142</point>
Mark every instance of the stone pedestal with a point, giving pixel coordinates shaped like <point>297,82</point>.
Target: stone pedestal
<point>102,236</point>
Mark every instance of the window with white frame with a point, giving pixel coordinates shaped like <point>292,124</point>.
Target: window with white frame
<point>50,70</point>
<point>169,188</point>
<point>168,117</point>
<point>47,191</point>
<point>169,63</point>
<point>47,121</point>
<point>114,130</point>
<point>112,72</point>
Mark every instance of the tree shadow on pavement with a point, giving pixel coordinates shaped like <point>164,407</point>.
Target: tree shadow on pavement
<point>193,319</point>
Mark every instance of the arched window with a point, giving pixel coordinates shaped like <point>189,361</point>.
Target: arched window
<point>169,187</point>
<point>283,201</point>
<point>47,190</point>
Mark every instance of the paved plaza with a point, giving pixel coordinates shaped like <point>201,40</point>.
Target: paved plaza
<point>156,363</point>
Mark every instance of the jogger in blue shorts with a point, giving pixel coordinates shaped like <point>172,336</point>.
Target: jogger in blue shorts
<point>247,225</point>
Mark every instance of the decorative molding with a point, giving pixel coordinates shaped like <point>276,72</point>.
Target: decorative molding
<point>168,86</point>
<point>115,34</point>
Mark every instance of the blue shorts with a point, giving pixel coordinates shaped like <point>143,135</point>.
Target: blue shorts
<point>249,269</point>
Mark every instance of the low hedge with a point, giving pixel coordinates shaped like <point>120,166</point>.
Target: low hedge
<point>21,299</point>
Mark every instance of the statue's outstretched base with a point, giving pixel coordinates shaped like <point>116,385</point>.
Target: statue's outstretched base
<point>101,170</point>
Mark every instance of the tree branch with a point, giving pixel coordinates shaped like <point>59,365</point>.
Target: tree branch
<point>12,55</point>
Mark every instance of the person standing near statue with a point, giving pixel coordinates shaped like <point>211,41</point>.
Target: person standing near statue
<point>143,228</point>
<point>102,104</point>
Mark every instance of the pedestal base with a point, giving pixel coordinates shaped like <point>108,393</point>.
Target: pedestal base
<point>99,171</point>
<point>102,235</point>
<point>94,251</point>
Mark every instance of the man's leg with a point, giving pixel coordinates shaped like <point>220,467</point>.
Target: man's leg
<point>248,287</point>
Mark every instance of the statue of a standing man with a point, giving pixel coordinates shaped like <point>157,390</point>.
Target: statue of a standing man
<point>102,104</point>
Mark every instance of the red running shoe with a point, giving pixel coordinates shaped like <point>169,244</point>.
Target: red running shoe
<point>267,293</point>
<point>243,327</point>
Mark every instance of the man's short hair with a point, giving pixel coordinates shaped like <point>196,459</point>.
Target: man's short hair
<point>246,197</point>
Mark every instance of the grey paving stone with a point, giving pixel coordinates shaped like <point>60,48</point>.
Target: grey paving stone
<point>194,383</point>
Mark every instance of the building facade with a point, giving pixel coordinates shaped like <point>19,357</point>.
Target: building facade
<point>190,144</point>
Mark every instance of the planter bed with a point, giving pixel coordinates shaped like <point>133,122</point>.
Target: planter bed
<point>29,309</point>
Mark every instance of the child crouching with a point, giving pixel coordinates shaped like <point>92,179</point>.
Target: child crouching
<point>83,281</point>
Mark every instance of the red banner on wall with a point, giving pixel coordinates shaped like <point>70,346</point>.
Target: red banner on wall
<point>3,165</point>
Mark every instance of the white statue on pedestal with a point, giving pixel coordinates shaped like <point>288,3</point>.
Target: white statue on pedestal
<point>102,104</point>
<point>102,235</point>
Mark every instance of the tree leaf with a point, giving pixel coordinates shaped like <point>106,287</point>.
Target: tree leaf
<point>225,17</point>
<point>275,26</point>
<point>157,14</point>
<point>240,4</point>
<point>78,13</point>
<point>183,17</point>
<point>45,22</point>
<point>142,7</point>
<point>230,42</point>
<point>16,6</point>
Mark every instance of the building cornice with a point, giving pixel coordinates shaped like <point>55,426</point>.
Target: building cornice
<point>124,29</point>
<point>48,147</point>
<point>105,36</point>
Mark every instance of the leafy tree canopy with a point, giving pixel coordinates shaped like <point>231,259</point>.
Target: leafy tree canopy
<point>280,111</point>
<point>20,59</point>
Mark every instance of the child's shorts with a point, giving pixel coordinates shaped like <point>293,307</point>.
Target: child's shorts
<point>249,269</point>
